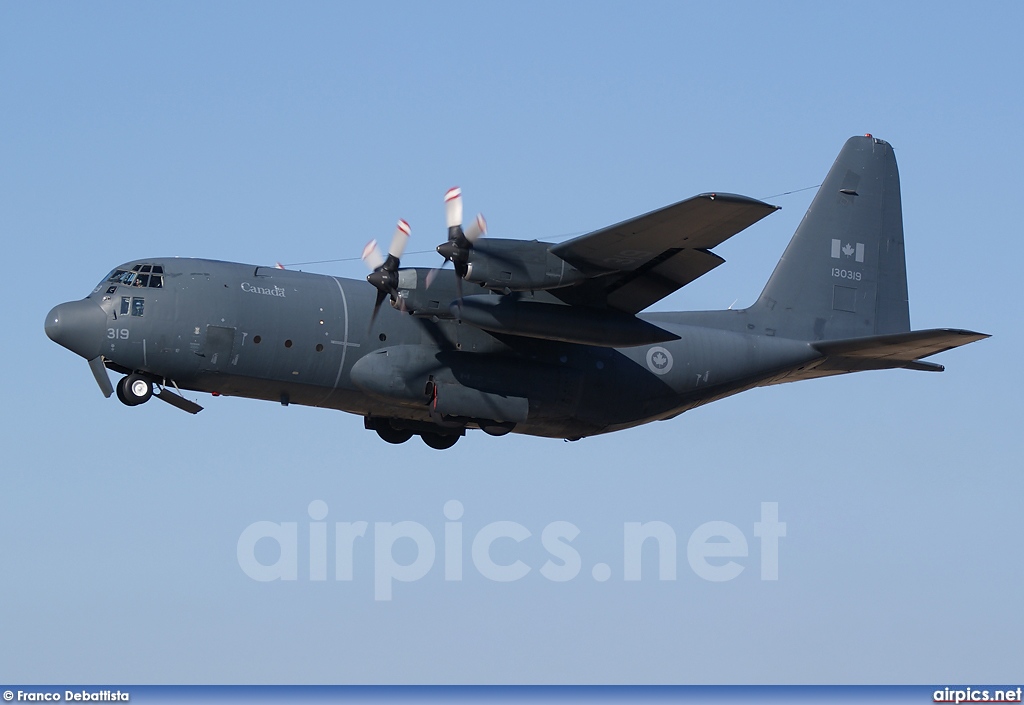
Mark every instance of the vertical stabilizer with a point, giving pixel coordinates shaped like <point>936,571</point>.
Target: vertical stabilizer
<point>844,273</point>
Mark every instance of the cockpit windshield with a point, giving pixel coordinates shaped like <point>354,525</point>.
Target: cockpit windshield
<point>150,276</point>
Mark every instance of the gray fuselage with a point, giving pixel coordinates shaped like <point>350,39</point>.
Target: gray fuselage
<point>294,337</point>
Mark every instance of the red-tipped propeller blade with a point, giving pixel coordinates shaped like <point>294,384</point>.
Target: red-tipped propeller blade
<point>399,240</point>
<point>372,256</point>
<point>453,207</point>
<point>477,229</point>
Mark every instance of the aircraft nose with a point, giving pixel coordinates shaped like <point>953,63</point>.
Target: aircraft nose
<point>78,326</point>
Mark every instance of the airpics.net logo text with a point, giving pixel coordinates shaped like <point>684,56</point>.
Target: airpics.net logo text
<point>272,551</point>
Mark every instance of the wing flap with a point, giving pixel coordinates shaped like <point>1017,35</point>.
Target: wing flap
<point>639,289</point>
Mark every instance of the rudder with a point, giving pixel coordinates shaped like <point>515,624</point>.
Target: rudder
<point>843,274</point>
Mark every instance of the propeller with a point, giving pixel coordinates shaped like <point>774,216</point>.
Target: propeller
<point>384,271</point>
<point>460,242</point>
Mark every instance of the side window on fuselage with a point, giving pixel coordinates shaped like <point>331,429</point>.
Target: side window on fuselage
<point>137,305</point>
<point>126,304</point>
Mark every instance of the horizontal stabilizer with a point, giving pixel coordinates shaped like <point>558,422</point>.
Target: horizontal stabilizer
<point>894,350</point>
<point>922,366</point>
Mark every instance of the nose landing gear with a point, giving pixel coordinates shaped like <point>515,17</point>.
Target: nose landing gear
<point>134,390</point>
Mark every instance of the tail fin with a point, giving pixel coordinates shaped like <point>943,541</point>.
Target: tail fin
<point>844,273</point>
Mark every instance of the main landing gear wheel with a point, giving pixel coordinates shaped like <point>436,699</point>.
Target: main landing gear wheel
<point>134,390</point>
<point>389,433</point>
<point>440,441</point>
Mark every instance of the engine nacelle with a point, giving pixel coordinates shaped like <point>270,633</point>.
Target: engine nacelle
<point>415,297</point>
<point>515,265</point>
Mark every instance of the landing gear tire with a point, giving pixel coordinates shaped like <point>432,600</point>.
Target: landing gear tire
<point>119,390</point>
<point>393,435</point>
<point>440,441</point>
<point>134,390</point>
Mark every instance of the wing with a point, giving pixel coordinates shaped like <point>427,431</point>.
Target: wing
<point>644,259</point>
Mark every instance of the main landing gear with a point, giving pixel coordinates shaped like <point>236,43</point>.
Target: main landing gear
<point>389,433</point>
<point>440,441</point>
<point>435,439</point>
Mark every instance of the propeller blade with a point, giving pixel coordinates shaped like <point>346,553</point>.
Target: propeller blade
<point>99,371</point>
<point>477,229</point>
<point>399,240</point>
<point>372,256</point>
<point>453,207</point>
<point>381,295</point>
<point>458,292</point>
<point>432,275</point>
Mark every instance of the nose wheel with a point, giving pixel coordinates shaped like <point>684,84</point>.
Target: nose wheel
<point>134,390</point>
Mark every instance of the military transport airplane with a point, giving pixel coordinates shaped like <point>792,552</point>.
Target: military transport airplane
<point>531,337</point>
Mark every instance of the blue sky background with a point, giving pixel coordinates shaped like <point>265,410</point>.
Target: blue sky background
<point>296,132</point>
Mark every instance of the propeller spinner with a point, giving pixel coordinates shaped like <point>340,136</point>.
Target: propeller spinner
<point>384,274</point>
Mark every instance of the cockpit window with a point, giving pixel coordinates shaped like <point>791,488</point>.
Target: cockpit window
<point>141,275</point>
<point>121,276</point>
<point>137,304</point>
